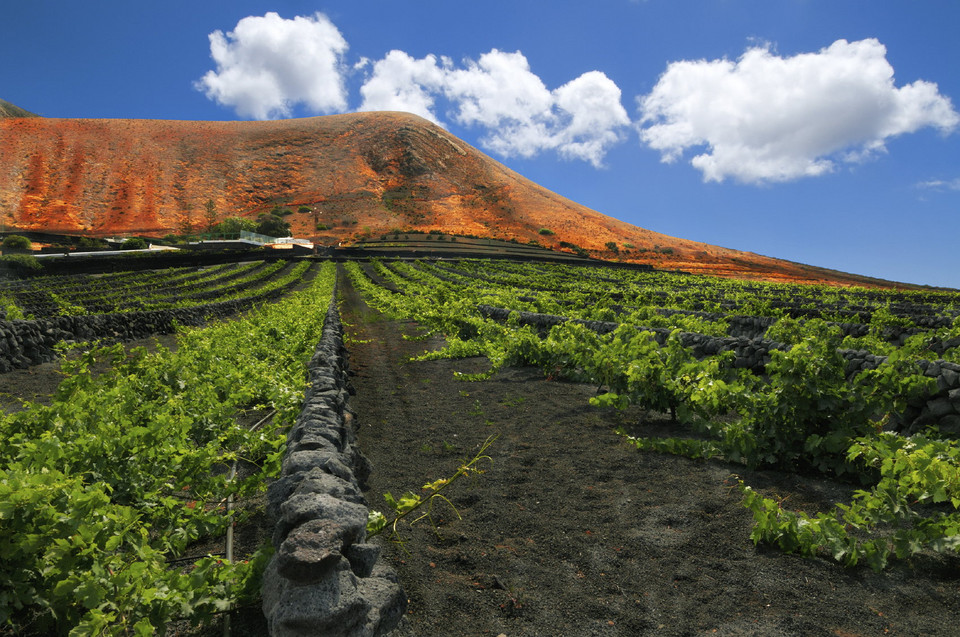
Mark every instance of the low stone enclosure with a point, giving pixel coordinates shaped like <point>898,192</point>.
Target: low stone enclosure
<point>324,578</point>
<point>942,408</point>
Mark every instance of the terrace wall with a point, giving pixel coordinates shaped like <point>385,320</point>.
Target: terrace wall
<point>324,578</point>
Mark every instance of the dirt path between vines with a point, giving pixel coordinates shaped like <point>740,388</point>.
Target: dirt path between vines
<point>573,532</point>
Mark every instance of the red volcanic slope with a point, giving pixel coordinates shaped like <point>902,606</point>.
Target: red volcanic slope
<point>363,173</point>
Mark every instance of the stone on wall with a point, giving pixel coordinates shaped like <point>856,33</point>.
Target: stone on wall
<point>324,578</point>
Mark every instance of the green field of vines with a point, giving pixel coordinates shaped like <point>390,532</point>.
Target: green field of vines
<point>103,489</point>
<point>84,294</point>
<point>839,389</point>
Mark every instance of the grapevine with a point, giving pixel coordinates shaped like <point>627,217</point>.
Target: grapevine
<point>115,478</point>
<point>804,411</point>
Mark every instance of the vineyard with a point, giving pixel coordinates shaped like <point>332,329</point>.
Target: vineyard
<point>106,486</point>
<point>827,417</point>
<point>41,313</point>
<point>607,422</point>
<point>819,380</point>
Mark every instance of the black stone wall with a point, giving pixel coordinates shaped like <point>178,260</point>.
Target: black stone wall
<point>324,578</point>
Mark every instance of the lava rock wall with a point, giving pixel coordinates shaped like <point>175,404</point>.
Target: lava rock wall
<point>324,578</point>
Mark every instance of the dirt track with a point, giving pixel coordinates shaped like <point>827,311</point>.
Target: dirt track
<point>573,532</point>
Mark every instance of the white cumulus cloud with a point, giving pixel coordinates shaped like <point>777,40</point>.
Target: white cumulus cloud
<point>591,115</point>
<point>401,83</point>
<point>498,87</point>
<point>499,92</point>
<point>766,118</point>
<point>268,64</point>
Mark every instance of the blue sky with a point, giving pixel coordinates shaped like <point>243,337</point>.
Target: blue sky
<point>824,132</point>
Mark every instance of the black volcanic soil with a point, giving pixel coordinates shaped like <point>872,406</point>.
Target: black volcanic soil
<point>573,532</point>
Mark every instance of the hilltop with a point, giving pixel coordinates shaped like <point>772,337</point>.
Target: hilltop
<point>10,110</point>
<point>358,175</point>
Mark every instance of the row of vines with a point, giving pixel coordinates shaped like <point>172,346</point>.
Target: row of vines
<point>802,409</point>
<point>103,490</point>
<point>172,288</point>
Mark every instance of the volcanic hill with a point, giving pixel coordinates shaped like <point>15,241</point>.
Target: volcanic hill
<point>361,174</point>
<point>10,110</point>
